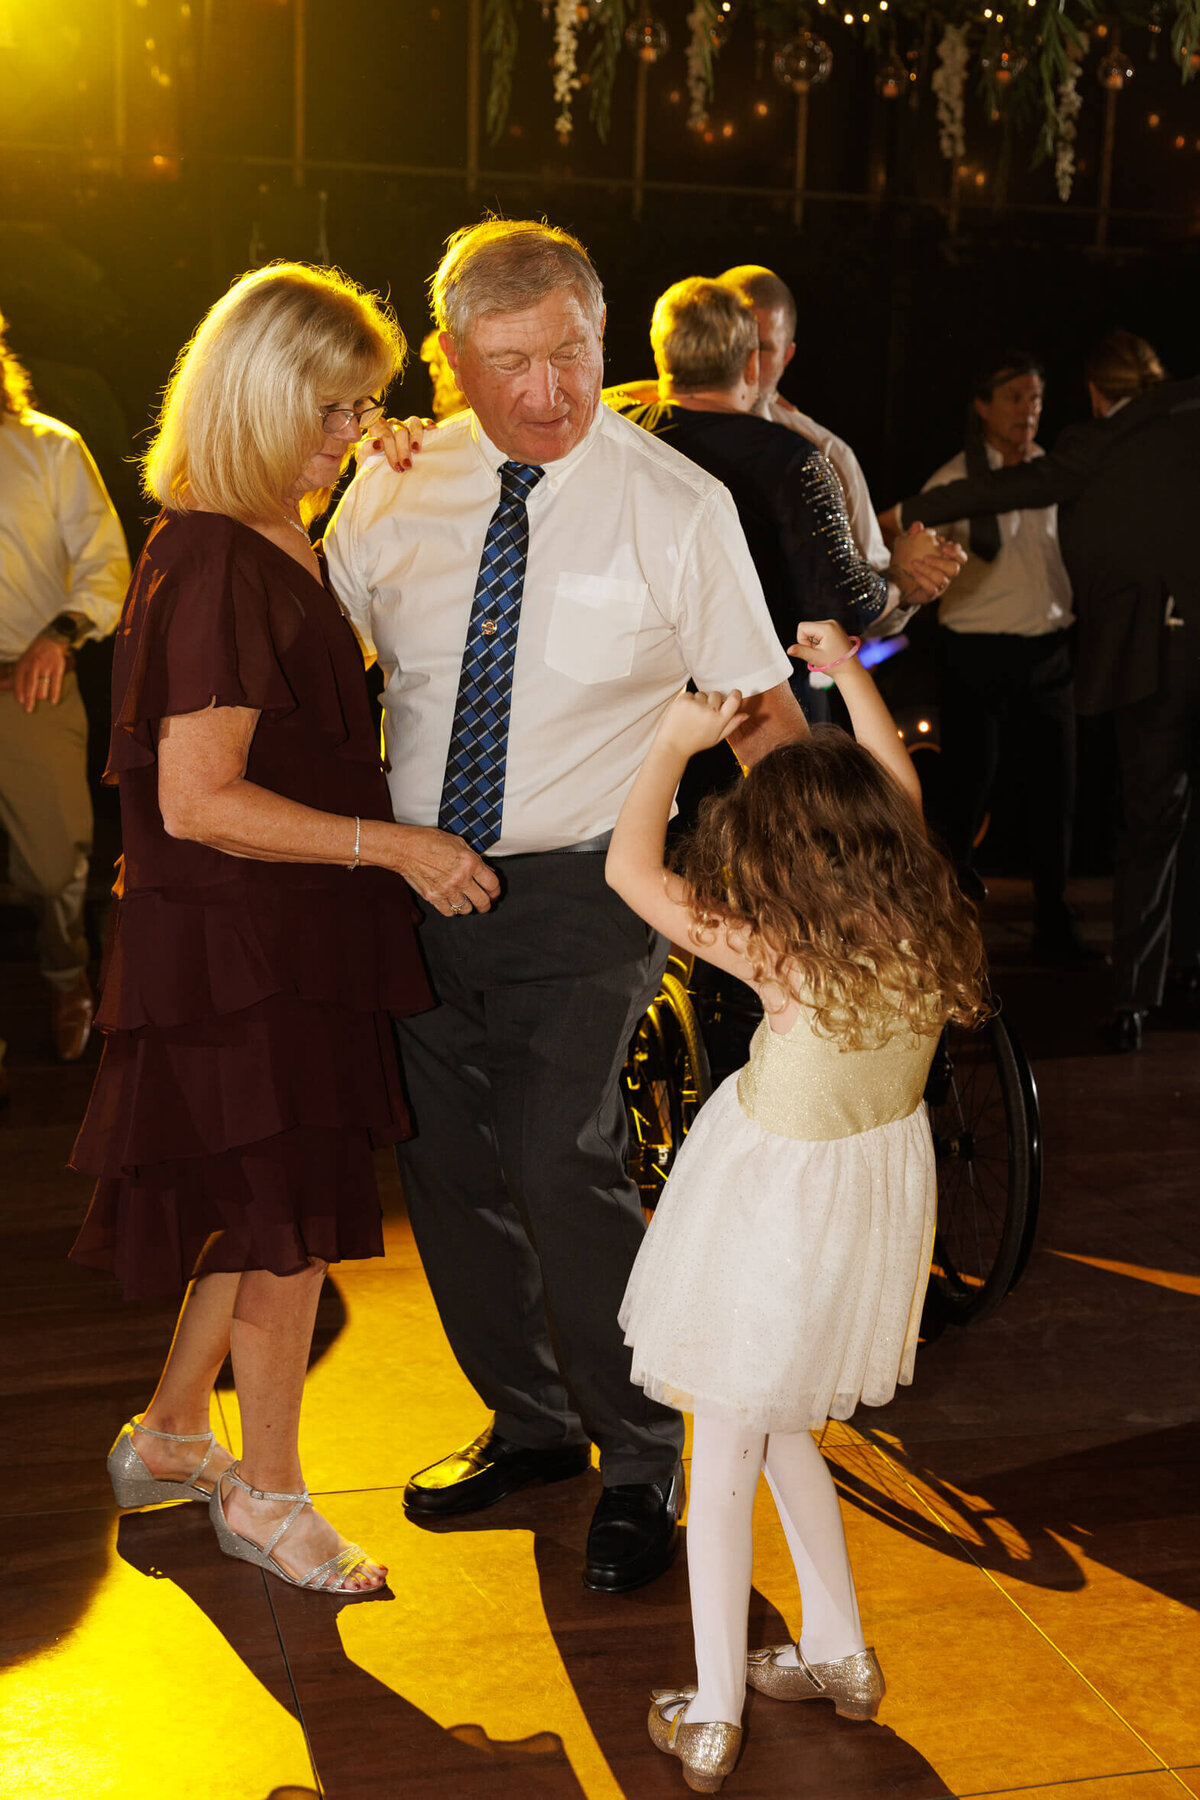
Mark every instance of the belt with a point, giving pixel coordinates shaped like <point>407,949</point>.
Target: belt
<point>589,847</point>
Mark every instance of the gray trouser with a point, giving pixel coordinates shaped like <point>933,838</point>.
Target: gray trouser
<point>46,810</point>
<point>524,1215</point>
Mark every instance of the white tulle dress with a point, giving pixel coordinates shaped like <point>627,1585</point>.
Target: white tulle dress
<point>782,1277</point>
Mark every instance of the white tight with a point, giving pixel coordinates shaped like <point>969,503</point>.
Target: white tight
<point>726,1461</point>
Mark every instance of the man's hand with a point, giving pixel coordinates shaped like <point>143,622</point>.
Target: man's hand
<point>696,722</point>
<point>441,868</point>
<point>39,673</point>
<point>891,525</point>
<point>396,442</point>
<point>923,565</point>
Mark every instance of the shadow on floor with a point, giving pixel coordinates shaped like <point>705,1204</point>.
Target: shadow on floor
<point>390,1737</point>
<point>1020,1522</point>
<point>804,1752</point>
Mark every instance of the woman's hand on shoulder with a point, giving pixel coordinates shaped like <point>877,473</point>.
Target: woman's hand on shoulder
<point>695,722</point>
<point>396,441</point>
<point>820,641</point>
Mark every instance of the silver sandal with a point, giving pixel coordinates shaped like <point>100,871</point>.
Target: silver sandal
<point>134,1485</point>
<point>326,1578</point>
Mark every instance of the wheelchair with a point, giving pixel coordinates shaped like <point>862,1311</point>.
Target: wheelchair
<point>983,1117</point>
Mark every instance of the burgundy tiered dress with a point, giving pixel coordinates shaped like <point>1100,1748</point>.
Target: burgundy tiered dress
<point>248,1070</point>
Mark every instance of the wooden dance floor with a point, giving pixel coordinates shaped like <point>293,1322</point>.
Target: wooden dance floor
<point>1022,1521</point>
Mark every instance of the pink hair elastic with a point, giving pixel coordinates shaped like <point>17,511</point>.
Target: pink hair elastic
<point>823,668</point>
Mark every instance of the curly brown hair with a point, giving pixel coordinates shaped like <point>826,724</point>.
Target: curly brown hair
<point>16,389</point>
<point>820,861</point>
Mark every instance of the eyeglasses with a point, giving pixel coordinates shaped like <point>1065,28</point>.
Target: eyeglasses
<point>336,418</point>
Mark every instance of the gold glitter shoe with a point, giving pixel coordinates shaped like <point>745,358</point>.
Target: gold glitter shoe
<point>854,1683</point>
<point>707,1752</point>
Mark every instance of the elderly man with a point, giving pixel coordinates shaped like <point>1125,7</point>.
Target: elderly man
<point>63,574</point>
<point>775,313</point>
<point>705,338</point>
<point>537,589</point>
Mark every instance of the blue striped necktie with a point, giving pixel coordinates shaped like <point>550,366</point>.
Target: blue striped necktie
<point>473,786</point>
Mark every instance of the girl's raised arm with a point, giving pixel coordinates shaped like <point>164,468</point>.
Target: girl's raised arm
<point>635,866</point>
<point>823,644</point>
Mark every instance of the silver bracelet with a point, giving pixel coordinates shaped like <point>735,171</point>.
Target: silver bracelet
<point>357,841</point>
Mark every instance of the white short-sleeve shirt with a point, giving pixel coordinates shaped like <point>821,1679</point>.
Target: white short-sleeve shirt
<point>1025,590</point>
<point>638,577</point>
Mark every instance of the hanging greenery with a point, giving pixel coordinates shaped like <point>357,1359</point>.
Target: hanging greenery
<point>1030,53</point>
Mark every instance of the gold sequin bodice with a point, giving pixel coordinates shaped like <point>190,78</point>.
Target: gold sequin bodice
<point>799,1085</point>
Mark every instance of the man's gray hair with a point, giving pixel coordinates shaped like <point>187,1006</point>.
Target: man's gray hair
<point>703,334</point>
<point>763,289</point>
<point>508,265</point>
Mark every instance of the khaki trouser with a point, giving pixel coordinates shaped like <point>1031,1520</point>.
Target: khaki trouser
<point>46,810</point>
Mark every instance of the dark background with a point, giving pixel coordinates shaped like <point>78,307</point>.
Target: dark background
<point>114,239</point>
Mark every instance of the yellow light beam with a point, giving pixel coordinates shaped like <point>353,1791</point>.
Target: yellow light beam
<point>1164,1278</point>
<point>1164,1766</point>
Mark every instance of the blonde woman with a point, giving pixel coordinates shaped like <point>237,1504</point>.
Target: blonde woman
<point>263,933</point>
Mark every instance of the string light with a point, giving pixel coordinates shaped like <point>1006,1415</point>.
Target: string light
<point>847,18</point>
<point>1154,121</point>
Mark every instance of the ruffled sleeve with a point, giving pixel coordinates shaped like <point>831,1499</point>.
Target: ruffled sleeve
<point>199,625</point>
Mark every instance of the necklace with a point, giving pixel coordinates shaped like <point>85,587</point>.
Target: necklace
<point>296,527</point>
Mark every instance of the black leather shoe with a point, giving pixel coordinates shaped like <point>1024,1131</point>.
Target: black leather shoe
<point>1124,1031</point>
<point>485,1470</point>
<point>633,1536</point>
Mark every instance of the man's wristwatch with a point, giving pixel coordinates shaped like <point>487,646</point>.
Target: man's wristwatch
<point>65,629</point>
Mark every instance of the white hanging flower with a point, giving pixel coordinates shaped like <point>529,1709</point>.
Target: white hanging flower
<point>566,77</point>
<point>949,84</point>
<point>701,22</point>
<point>1066,112</point>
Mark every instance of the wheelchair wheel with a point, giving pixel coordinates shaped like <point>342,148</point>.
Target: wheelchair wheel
<point>665,1082</point>
<point>983,1114</point>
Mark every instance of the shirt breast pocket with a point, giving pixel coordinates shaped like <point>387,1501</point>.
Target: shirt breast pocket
<point>594,625</point>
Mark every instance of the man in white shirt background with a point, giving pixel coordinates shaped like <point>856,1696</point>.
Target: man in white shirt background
<point>64,570</point>
<point>626,571</point>
<point>1003,657</point>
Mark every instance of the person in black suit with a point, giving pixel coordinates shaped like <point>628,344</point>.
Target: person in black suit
<point>1127,486</point>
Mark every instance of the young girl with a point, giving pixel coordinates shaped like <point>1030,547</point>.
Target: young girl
<point>782,1278</point>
